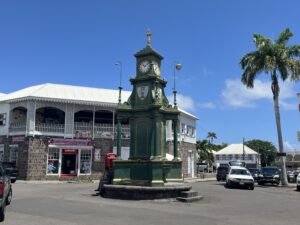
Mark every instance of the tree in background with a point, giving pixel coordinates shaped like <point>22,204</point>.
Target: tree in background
<point>206,147</point>
<point>266,149</point>
<point>211,136</point>
<point>278,60</point>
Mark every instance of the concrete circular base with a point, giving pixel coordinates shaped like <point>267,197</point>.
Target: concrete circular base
<point>128,192</point>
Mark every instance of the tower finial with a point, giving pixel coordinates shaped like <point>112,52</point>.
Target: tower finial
<point>149,37</point>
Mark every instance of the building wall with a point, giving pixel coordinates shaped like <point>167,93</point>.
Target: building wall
<point>33,150</point>
<point>185,149</point>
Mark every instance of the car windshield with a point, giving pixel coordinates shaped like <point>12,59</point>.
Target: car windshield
<point>240,172</point>
<point>270,170</point>
<point>222,169</point>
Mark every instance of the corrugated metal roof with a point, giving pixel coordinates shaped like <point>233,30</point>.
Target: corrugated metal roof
<point>236,149</point>
<point>66,93</point>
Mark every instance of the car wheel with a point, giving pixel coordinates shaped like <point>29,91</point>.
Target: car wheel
<point>9,197</point>
<point>13,180</point>
<point>298,188</point>
<point>260,183</point>
<point>251,187</point>
<point>227,184</point>
<point>2,212</point>
<point>218,179</point>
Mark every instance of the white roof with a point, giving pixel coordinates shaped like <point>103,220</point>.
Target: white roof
<point>188,114</point>
<point>2,95</point>
<point>67,93</point>
<point>236,149</point>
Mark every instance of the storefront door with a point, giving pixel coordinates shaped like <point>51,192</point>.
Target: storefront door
<point>69,162</point>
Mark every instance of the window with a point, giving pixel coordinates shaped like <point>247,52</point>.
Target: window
<point>1,153</point>
<point>85,161</point>
<point>2,119</point>
<point>53,161</point>
<point>190,131</point>
<point>182,128</point>
<point>13,154</point>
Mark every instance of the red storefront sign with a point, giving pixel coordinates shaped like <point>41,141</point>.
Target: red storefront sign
<point>70,142</point>
<point>70,151</point>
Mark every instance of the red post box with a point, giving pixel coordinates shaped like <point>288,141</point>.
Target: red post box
<point>109,157</point>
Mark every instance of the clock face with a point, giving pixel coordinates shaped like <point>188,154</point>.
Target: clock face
<point>144,66</point>
<point>156,68</point>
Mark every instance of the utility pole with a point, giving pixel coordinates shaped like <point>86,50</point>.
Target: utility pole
<point>244,149</point>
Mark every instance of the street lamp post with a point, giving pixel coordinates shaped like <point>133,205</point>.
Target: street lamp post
<point>119,63</point>
<point>177,67</point>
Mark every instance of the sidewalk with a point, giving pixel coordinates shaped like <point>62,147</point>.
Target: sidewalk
<point>197,179</point>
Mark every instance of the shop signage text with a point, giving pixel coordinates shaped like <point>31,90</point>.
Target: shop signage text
<point>70,142</point>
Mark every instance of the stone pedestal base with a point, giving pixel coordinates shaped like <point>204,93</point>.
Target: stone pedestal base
<point>146,172</point>
<point>128,192</point>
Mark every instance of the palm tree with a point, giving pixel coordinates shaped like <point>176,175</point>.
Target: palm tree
<point>204,149</point>
<point>278,60</point>
<point>211,136</point>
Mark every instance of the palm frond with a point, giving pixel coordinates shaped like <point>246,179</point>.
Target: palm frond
<point>284,36</point>
<point>260,41</point>
<point>294,50</point>
<point>294,67</point>
<point>284,71</point>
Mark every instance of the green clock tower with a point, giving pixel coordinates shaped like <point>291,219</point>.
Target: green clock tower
<point>147,110</point>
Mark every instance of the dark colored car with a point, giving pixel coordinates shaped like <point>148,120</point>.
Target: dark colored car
<point>269,175</point>
<point>222,172</point>
<point>11,170</point>
<point>254,172</point>
<point>5,192</point>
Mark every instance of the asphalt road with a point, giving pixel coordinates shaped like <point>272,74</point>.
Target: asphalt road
<point>74,204</point>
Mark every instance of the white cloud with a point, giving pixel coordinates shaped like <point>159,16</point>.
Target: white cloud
<point>183,102</point>
<point>290,147</point>
<point>288,106</point>
<point>206,105</point>
<point>238,95</point>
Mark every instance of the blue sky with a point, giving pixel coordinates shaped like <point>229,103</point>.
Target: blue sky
<point>77,42</point>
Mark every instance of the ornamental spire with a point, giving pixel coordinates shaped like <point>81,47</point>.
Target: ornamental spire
<point>149,37</point>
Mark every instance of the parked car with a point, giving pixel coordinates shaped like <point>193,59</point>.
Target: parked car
<point>254,172</point>
<point>269,175</point>
<point>240,177</point>
<point>292,176</point>
<point>5,192</point>
<point>222,171</point>
<point>11,170</point>
<point>298,182</point>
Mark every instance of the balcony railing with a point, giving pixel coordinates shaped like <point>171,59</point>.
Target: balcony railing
<point>17,127</point>
<point>50,128</point>
<point>81,130</point>
<point>101,130</point>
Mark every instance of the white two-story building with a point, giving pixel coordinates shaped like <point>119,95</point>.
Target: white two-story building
<point>54,131</point>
